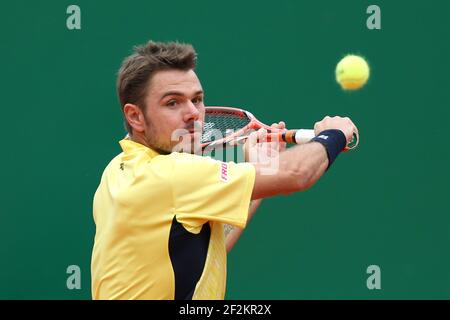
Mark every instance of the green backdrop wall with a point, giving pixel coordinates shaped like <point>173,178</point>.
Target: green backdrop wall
<point>385,204</point>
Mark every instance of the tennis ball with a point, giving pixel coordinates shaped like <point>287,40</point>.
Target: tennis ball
<point>352,72</point>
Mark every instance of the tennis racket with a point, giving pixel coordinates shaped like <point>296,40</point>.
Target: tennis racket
<point>225,127</point>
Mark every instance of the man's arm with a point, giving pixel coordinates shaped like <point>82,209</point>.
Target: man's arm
<point>301,166</point>
<point>315,162</point>
<point>298,168</point>
<point>232,234</point>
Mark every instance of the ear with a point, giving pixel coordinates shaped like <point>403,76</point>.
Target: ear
<point>134,116</point>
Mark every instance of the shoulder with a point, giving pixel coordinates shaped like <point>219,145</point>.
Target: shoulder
<point>113,164</point>
<point>187,159</point>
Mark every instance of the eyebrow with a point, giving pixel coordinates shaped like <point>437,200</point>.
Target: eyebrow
<point>178,93</point>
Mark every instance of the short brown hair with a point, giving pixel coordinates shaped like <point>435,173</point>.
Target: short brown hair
<point>137,69</point>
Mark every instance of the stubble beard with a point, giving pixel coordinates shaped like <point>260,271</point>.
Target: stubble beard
<point>188,145</point>
<point>151,139</point>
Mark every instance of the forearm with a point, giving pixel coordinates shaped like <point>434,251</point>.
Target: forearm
<point>298,169</point>
<point>232,234</point>
<point>232,237</point>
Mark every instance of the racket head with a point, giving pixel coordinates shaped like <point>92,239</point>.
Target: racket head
<point>223,125</point>
<point>227,126</point>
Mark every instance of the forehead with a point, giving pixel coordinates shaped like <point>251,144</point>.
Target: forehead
<point>163,81</point>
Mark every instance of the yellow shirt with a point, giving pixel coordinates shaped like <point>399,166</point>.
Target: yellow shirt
<point>159,224</point>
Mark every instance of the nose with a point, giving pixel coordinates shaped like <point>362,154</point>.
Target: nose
<point>192,113</point>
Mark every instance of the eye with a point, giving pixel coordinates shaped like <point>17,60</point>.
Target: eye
<point>172,103</point>
<point>197,100</point>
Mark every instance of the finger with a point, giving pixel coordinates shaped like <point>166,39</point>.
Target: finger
<point>354,129</point>
<point>280,146</point>
<point>279,125</point>
<point>253,138</point>
<point>316,128</point>
<point>262,135</point>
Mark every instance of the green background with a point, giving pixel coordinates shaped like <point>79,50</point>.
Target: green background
<point>384,204</point>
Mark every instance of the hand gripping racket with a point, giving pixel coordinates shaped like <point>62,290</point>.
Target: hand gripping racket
<point>224,127</point>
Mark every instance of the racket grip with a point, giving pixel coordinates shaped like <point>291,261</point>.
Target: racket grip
<point>302,136</point>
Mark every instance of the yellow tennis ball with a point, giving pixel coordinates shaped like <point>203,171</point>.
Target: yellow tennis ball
<point>352,72</point>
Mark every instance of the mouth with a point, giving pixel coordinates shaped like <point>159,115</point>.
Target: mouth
<point>192,134</point>
<point>195,127</point>
<point>192,131</point>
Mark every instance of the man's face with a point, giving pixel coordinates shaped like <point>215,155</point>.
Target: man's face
<point>174,101</point>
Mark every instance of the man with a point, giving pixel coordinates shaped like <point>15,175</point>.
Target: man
<point>159,214</point>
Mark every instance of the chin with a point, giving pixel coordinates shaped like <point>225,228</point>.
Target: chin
<point>187,145</point>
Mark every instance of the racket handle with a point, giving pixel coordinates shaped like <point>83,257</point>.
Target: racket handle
<point>302,136</point>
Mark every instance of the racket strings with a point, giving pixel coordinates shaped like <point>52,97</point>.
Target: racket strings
<point>218,125</point>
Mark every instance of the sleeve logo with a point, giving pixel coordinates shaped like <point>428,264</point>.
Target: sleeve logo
<point>224,172</point>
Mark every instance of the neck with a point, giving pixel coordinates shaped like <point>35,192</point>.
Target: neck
<point>136,137</point>
<point>139,138</point>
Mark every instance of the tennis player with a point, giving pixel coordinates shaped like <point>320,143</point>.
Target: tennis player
<point>160,215</point>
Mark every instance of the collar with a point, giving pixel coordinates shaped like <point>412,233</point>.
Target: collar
<point>130,147</point>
